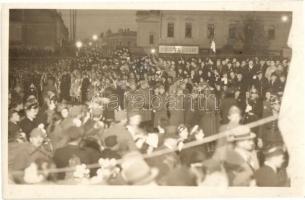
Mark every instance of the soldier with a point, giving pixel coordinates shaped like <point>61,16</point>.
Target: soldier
<point>30,121</point>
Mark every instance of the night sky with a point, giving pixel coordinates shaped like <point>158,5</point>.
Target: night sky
<point>91,22</point>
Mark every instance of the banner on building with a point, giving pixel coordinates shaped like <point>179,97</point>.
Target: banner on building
<point>179,49</point>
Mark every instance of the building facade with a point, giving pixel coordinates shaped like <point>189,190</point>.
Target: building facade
<point>37,28</point>
<point>192,32</point>
<point>124,38</point>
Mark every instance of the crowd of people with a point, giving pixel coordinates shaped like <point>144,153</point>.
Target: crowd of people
<point>92,119</point>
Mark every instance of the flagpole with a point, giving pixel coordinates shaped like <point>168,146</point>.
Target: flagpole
<point>213,47</point>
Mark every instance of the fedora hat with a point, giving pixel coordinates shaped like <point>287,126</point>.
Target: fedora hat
<point>135,171</point>
<point>241,133</point>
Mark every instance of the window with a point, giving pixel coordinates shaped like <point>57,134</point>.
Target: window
<point>151,39</point>
<point>188,30</point>
<point>170,30</point>
<point>271,33</point>
<point>232,31</point>
<point>211,31</point>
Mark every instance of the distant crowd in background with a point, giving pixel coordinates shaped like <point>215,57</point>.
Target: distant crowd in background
<point>33,52</point>
<point>80,113</point>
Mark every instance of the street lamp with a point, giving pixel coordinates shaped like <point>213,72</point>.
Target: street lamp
<point>90,43</point>
<point>79,44</point>
<point>284,18</point>
<point>94,37</point>
<point>153,51</point>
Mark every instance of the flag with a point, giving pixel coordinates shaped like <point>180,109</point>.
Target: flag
<point>213,46</point>
<point>291,117</point>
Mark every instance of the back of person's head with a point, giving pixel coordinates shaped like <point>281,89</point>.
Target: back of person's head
<point>229,93</point>
<point>13,114</point>
<point>31,103</point>
<point>15,102</point>
<point>91,142</point>
<point>74,134</point>
<point>111,141</point>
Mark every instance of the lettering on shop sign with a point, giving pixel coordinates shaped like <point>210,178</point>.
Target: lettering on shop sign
<point>179,49</point>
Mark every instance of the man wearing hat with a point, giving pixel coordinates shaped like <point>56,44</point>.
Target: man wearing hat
<point>65,85</point>
<point>145,111</point>
<point>63,155</point>
<point>249,71</point>
<point>31,111</point>
<point>269,132</point>
<point>227,102</point>
<point>13,125</point>
<point>274,83</point>
<point>271,173</point>
<point>234,116</point>
<point>240,82</point>
<point>270,69</point>
<point>135,171</point>
<point>241,161</point>
<point>21,155</point>
<point>262,65</point>
<point>260,83</point>
<point>124,137</point>
<point>112,148</point>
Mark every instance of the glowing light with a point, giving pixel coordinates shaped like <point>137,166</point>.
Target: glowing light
<point>153,51</point>
<point>284,18</point>
<point>90,43</point>
<point>94,37</point>
<point>78,44</point>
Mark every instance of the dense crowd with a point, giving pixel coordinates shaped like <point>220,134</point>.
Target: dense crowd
<point>102,117</point>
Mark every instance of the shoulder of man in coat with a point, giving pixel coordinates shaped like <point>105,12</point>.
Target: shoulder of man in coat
<point>233,158</point>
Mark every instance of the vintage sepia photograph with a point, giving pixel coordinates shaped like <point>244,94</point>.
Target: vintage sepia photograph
<point>152,97</point>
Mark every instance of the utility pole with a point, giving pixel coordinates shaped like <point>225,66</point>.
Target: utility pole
<point>72,25</point>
